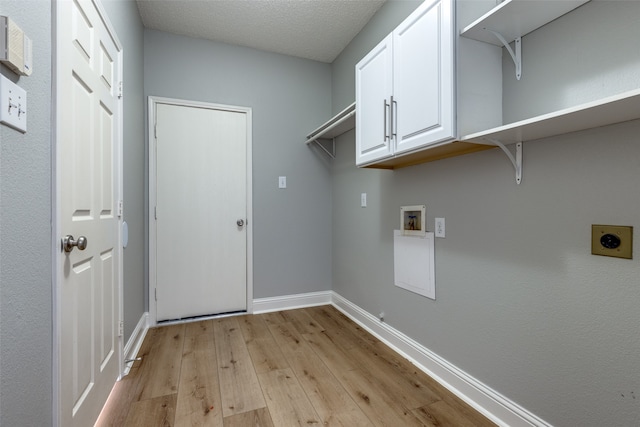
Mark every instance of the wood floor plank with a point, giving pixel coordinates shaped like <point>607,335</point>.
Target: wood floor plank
<point>240,389</point>
<point>161,362</point>
<point>381,406</point>
<point>393,372</point>
<point>116,409</point>
<point>336,322</point>
<point>157,412</point>
<point>197,328</point>
<point>303,321</point>
<point>330,400</point>
<point>263,349</point>
<point>257,418</point>
<point>275,317</point>
<point>287,402</point>
<point>199,402</point>
<point>442,414</point>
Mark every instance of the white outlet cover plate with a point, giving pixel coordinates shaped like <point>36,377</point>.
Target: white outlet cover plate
<point>12,95</point>
<point>440,228</point>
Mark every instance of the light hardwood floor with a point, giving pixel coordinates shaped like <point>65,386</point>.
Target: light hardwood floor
<point>310,367</point>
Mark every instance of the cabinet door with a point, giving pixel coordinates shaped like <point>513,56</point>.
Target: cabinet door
<point>423,77</point>
<point>373,92</point>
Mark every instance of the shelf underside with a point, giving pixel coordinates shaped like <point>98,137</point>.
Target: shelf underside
<point>516,18</point>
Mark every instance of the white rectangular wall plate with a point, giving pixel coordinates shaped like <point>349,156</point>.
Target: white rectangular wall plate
<point>414,263</point>
<point>13,105</point>
<point>282,182</point>
<point>363,200</point>
<point>440,229</point>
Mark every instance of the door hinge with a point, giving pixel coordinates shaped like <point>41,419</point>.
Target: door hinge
<point>120,90</point>
<point>155,292</point>
<point>120,328</point>
<point>120,208</point>
<point>155,212</point>
<point>155,131</point>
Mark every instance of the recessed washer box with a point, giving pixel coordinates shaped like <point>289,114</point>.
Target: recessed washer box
<point>612,240</point>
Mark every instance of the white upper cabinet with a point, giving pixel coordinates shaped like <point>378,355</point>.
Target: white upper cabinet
<point>405,87</point>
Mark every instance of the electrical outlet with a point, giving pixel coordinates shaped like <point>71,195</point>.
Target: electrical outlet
<point>612,240</point>
<point>440,231</point>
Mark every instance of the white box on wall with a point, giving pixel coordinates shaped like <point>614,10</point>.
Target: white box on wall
<point>414,263</point>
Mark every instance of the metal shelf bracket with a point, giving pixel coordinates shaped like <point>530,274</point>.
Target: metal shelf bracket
<point>516,56</point>
<point>331,153</point>
<point>515,160</point>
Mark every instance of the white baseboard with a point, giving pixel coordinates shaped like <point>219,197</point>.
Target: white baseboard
<point>135,341</point>
<point>289,302</point>
<point>487,401</point>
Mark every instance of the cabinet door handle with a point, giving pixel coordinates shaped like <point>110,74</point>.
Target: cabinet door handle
<point>386,106</point>
<point>394,117</point>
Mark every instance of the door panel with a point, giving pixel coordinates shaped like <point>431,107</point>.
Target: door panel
<point>373,89</point>
<point>201,193</point>
<point>423,77</point>
<point>89,179</point>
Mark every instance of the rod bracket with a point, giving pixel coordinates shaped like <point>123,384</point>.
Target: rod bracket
<point>319,143</point>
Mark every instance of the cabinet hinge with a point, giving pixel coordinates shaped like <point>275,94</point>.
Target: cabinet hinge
<point>120,328</point>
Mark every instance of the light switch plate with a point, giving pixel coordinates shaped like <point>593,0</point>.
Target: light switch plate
<point>282,182</point>
<point>612,240</point>
<point>13,105</point>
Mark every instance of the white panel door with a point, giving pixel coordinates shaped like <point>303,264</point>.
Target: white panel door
<point>89,184</point>
<point>201,213</point>
<point>373,89</point>
<point>423,77</point>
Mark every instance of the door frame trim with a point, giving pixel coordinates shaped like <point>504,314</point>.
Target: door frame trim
<point>56,223</point>
<point>153,101</point>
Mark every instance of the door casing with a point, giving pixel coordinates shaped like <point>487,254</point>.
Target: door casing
<point>152,103</point>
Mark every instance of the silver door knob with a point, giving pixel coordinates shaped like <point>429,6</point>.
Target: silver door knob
<point>240,222</point>
<point>68,243</point>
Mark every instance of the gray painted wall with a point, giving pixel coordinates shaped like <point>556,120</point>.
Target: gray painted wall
<point>25,236</point>
<point>126,21</point>
<point>521,303</point>
<point>25,216</point>
<point>289,98</point>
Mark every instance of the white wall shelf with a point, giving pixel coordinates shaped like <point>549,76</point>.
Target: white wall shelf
<point>607,111</point>
<point>342,122</point>
<point>516,18</point>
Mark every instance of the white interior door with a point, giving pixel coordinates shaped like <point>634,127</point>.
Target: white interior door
<point>89,186</point>
<point>201,211</point>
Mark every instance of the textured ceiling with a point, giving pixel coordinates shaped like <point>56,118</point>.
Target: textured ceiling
<point>313,29</point>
